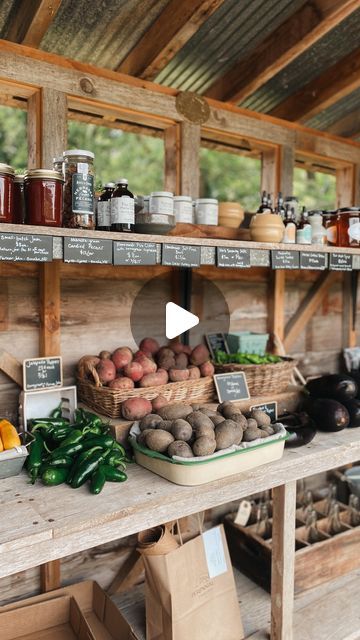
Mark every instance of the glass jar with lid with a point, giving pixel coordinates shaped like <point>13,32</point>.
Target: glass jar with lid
<point>44,197</point>
<point>348,227</point>
<point>19,199</point>
<point>7,174</point>
<point>58,164</point>
<point>330,224</point>
<point>79,189</point>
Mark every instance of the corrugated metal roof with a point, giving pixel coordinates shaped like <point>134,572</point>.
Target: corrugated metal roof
<point>232,32</point>
<point>340,109</point>
<point>100,33</point>
<point>343,39</point>
<point>6,7</point>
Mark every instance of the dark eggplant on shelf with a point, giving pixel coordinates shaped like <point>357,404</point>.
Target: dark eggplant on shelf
<point>328,414</point>
<point>353,407</point>
<point>337,386</point>
<point>300,427</point>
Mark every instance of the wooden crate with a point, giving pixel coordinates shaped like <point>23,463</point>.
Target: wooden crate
<point>315,564</point>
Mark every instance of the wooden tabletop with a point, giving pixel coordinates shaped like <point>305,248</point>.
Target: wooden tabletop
<point>39,524</point>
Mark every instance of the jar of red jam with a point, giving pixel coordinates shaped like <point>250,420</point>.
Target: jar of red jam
<point>44,197</point>
<point>348,227</point>
<point>19,199</point>
<point>6,193</point>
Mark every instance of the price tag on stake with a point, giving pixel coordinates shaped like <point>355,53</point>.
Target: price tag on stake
<point>243,514</point>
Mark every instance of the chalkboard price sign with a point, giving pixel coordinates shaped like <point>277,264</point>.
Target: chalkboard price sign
<point>269,407</point>
<point>88,250</point>
<point>42,373</point>
<point>231,386</point>
<point>341,262</point>
<point>181,255</point>
<point>313,260</point>
<point>18,247</point>
<point>233,257</point>
<point>135,253</point>
<point>216,342</point>
<point>282,259</point>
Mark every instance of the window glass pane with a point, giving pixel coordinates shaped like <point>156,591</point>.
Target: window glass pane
<point>120,154</point>
<point>315,190</point>
<point>230,177</point>
<point>13,137</point>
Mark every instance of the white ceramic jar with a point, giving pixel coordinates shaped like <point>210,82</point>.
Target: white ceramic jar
<point>161,202</point>
<point>183,209</point>
<point>318,231</point>
<point>206,211</point>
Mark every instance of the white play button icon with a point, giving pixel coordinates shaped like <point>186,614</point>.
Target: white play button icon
<point>178,320</point>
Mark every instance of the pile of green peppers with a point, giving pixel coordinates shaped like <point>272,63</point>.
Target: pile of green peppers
<point>245,358</point>
<point>74,453</point>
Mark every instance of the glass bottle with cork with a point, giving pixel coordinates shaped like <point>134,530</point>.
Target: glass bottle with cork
<point>103,216</point>
<point>122,207</point>
<point>290,226</point>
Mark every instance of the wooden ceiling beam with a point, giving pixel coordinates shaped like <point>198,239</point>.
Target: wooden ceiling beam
<point>176,24</point>
<point>31,20</point>
<point>332,85</point>
<point>299,32</point>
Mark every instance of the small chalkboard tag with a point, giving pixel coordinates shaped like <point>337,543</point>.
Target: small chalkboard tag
<point>231,386</point>
<point>341,262</point>
<point>17,247</point>
<point>233,257</point>
<point>282,259</point>
<point>88,250</point>
<point>313,260</point>
<point>42,373</point>
<point>181,255</point>
<point>135,253</point>
<point>216,342</point>
<point>269,407</point>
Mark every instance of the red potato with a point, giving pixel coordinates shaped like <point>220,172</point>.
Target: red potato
<point>134,371</point>
<point>199,355</point>
<point>194,372</point>
<point>154,379</point>
<point>187,349</point>
<point>176,347</point>
<point>179,375</point>
<point>135,408</point>
<point>148,366</point>
<point>149,345</point>
<point>166,362</point>
<point>141,354</point>
<point>165,352</point>
<point>105,355</point>
<point>106,371</point>
<point>158,402</point>
<point>207,369</point>
<point>181,361</point>
<point>121,357</point>
<point>125,384</point>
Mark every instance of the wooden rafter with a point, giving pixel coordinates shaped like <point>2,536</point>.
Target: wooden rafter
<point>176,24</point>
<point>31,21</point>
<point>291,39</point>
<point>335,83</point>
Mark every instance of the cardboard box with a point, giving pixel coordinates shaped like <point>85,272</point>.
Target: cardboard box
<point>103,617</point>
<point>54,619</point>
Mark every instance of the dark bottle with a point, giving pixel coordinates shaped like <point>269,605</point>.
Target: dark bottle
<point>122,207</point>
<point>270,204</point>
<point>103,209</point>
<point>280,208</point>
<point>264,203</point>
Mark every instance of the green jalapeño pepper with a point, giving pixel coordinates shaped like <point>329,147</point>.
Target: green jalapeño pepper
<point>114,458</point>
<point>97,481</point>
<point>34,459</point>
<point>107,442</point>
<point>60,461</point>
<point>52,476</point>
<point>85,455</point>
<point>69,450</point>
<point>75,436</point>
<point>56,413</point>
<point>113,475</point>
<point>60,433</point>
<point>86,469</point>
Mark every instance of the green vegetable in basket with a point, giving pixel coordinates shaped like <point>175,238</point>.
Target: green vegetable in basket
<point>245,358</point>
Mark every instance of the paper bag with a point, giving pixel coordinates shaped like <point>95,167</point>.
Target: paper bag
<point>190,592</point>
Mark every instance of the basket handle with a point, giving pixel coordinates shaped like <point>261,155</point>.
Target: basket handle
<point>87,368</point>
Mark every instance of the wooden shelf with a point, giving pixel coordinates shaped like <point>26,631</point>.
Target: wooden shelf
<point>40,524</point>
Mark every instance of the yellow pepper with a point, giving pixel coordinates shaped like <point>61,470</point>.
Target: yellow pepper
<point>1,446</point>
<point>9,436</point>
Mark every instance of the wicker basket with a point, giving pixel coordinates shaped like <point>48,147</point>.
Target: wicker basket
<point>263,378</point>
<point>108,401</point>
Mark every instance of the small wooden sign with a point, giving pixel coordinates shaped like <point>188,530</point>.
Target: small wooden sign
<point>268,407</point>
<point>216,342</point>
<point>233,257</point>
<point>134,253</point>
<point>42,373</point>
<point>313,260</point>
<point>17,247</point>
<point>181,255</point>
<point>231,386</point>
<point>88,250</point>
<point>341,262</point>
<point>282,259</point>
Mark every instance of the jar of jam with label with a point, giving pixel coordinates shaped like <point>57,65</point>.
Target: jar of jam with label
<point>44,197</point>
<point>19,200</point>
<point>79,189</point>
<point>6,193</point>
<point>103,210</point>
<point>330,224</point>
<point>348,227</point>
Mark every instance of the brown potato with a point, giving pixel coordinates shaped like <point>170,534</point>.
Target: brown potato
<point>106,371</point>
<point>154,379</point>
<point>135,408</point>
<point>251,434</point>
<point>178,375</point>
<point>121,383</point>
<point>217,419</point>
<point>195,406</point>
<point>239,434</point>
<point>199,355</point>
<point>181,361</point>
<point>166,363</point>
<point>197,419</point>
<point>205,430</point>
<point>175,411</point>
<point>225,434</point>
<point>121,357</point>
<point>159,440</point>
<point>149,345</point>
<point>194,372</point>
<point>204,446</point>
<point>230,410</point>
<point>167,424</point>
<point>165,352</point>
<point>221,407</point>
<point>151,421</point>
<point>181,430</point>
<point>141,438</point>
<point>251,423</point>
<point>268,429</point>
<point>180,448</point>
<point>261,417</point>
<point>207,369</point>
<point>239,419</point>
<point>158,402</point>
<point>208,412</point>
